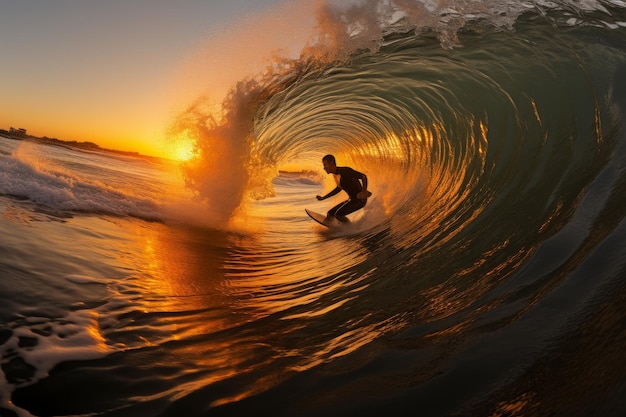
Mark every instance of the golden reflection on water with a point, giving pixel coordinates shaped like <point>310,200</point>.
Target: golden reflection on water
<point>281,279</point>
<point>184,269</point>
<point>239,301</point>
<point>176,275</point>
<point>514,407</point>
<point>170,268</point>
<point>249,281</point>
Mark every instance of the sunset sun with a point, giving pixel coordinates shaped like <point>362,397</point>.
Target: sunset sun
<point>183,150</point>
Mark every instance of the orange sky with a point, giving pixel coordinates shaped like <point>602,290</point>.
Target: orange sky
<point>116,73</point>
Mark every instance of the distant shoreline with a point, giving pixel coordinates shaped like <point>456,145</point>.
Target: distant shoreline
<point>79,146</point>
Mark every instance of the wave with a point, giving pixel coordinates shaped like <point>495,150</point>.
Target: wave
<point>493,140</point>
<point>486,110</point>
<point>60,189</point>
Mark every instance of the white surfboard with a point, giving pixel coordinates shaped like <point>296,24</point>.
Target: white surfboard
<point>320,218</point>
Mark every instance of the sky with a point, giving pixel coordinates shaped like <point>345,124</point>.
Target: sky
<point>116,72</point>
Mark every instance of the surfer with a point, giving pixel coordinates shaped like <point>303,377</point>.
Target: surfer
<point>352,182</point>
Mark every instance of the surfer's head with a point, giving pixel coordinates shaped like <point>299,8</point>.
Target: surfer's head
<point>330,165</point>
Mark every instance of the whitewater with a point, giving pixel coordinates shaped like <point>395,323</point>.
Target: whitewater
<point>485,276</point>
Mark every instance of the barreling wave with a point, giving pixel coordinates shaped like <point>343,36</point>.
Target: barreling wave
<point>494,111</point>
<point>491,134</point>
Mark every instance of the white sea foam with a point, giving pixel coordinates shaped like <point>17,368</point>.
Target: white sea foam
<point>38,344</point>
<point>23,174</point>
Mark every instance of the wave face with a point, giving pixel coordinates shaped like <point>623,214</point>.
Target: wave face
<point>470,122</point>
<point>493,140</point>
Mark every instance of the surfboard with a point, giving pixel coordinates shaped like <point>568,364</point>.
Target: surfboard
<point>320,218</point>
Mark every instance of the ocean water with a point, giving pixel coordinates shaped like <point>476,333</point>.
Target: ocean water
<point>485,276</point>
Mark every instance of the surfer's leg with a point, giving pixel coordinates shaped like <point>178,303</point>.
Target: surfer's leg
<point>346,208</point>
<point>333,211</point>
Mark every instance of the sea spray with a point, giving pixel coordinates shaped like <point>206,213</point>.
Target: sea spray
<point>32,174</point>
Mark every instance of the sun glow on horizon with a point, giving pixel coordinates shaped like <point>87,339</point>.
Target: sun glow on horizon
<point>183,150</point>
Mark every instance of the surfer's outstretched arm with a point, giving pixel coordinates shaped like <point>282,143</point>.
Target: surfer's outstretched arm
<point>330,194</point>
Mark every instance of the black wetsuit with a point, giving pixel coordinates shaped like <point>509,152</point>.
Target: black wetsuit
<point>349,181</point>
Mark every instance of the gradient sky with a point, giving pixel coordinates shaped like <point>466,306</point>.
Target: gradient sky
<point>115,72</point>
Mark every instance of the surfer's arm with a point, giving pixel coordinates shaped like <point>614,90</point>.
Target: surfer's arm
<point>364,181</point>
<point>330,194</point>
<point>363,194</point>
